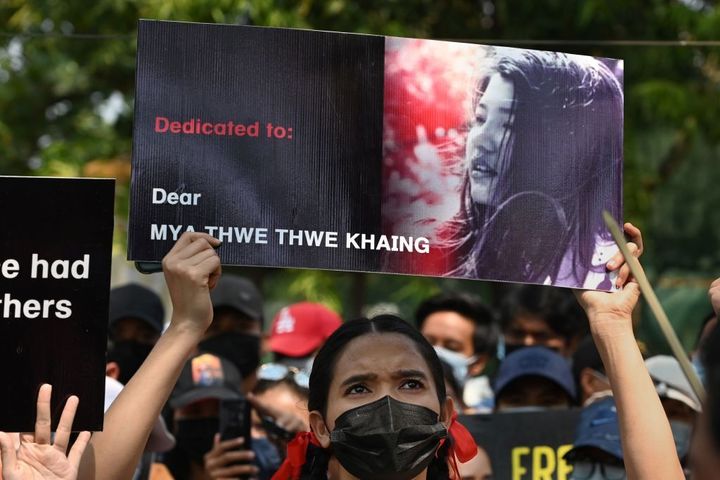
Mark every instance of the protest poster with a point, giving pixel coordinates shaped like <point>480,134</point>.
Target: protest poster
<point>526,445</point>
<point>313,149</point>
<point>55,255</point>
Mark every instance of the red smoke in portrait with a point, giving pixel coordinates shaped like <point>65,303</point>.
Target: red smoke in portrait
<point>428,93</point>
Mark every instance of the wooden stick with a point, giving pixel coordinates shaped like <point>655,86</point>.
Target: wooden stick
<point>656,308</point>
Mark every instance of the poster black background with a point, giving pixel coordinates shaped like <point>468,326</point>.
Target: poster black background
<point>328,87</point>
<point>57,219</point>
<point>499,433</point>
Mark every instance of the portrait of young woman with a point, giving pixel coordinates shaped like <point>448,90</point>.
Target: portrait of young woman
<point>514,160</point>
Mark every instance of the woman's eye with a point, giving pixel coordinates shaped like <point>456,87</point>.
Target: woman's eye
<point>356,389</point>
<point>412,385</point>
<point>480,118</point>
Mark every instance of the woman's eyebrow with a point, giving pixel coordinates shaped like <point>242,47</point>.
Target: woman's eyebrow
<point>503,109</point>
<point>363,377</point>
<point>409,373</point>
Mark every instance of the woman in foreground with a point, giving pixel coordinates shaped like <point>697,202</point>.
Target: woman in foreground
<point>378,409</point>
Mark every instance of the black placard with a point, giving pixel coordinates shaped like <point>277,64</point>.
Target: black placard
<point>527,445</point>
<point>55,257</point>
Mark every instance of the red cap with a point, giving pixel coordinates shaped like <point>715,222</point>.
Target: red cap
<point>302,328</point>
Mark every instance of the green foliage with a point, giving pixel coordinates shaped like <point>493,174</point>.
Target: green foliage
<point>66,104</point>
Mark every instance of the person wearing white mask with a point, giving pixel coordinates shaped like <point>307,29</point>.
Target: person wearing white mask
<point>461,329</point>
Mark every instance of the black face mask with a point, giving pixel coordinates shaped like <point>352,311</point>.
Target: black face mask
<point>241,349</point>
<point>129,355</point>
<point>195,436</point>
<point>387,439</point>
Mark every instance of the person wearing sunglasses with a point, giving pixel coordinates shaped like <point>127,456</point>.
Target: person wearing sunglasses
<point>281,397</point>
<point>277,372</point>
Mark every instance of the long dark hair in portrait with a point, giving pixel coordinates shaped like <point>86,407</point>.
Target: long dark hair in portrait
<point>323,370</point>
<point>560,166</point>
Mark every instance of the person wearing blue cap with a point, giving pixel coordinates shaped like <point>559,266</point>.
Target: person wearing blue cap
<point>597,452</point>
<point>532,379</point>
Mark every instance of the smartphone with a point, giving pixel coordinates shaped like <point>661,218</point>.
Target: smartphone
<point>148,267</point>
<point>235,421</point>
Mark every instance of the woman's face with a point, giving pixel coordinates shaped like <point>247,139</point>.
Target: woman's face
<point>483,155</point>
<point>375,365</point>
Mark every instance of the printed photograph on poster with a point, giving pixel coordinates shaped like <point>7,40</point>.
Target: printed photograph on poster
<point>356,152</point>
<point>504,158</point>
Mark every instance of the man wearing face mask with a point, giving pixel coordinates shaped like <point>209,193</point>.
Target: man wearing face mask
<point>534,379</point>
<point>234,333</point>
<point>460,328</point>
<point>205,381</point>
<point>597,453</point>
<point>298,331</point>
<point>680,403</point>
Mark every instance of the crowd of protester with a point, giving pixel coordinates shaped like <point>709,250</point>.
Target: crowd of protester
<point>327,389</point>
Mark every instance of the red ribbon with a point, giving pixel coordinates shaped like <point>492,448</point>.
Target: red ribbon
<point>296,453</point>
<point>462,446</point>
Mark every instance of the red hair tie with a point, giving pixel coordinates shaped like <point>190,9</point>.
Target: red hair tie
<point>462,445</point>
<point>296,453</point>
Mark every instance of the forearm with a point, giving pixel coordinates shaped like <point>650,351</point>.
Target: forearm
<point>648,446</point>
<point>115,452</point>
